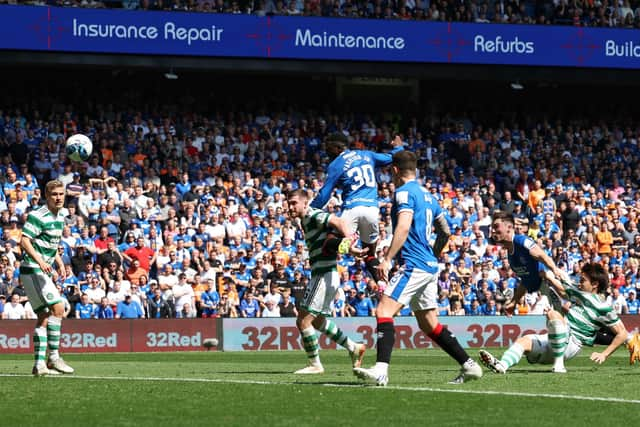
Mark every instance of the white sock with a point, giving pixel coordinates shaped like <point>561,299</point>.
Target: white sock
<point>558,340</point>
<point>381,367</point>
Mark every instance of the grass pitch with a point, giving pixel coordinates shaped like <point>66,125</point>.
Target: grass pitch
<point>258,389</point>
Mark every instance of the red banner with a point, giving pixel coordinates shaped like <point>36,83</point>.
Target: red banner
<point>471,332</point>
<point>98,336</point>
<point>171,335</point>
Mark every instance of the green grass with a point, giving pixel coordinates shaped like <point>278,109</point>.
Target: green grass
<point>210,388</point>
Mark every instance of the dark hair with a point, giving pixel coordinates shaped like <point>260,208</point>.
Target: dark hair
<point>298,193</point>
<point>503,216</point>
<point>338,141</point>
<point>596,274</point>
<point>405,161</point>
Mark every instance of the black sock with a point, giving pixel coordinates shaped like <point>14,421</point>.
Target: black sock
<point>386,339</point>
<point>449,344</point>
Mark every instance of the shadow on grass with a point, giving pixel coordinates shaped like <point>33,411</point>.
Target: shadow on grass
<point>332,383</point>
<point>255,372</point>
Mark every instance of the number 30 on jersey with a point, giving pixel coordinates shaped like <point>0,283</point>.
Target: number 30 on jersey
<point>362,175</point>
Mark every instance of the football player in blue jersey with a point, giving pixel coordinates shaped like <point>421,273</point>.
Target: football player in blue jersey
<point>353,172</point>
<point>416,215</point>
<point>525,257</point>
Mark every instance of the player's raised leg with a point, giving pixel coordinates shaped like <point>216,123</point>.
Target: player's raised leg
<point>491,362</point>
<point>328,327</point>
<point>558,339</point>
<point>510,357</point>
<point>368,229</point>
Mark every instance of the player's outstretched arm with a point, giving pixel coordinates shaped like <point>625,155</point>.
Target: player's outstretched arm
<point>339,225</point>
<point>331,180</point>
<point>555,283</point>
<point>385,159</point>
<point>540,256</point>
<point>621,333</point>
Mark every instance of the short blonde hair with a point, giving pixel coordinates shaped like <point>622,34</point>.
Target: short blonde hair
<point>54,183</point>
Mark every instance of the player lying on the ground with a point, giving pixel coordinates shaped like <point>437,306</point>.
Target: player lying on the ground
<point>567,335</point>
<point>605,337</point>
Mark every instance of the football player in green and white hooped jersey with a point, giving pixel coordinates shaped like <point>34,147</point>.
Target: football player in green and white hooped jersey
<point>323,245</point>
<point>40,237</point>
<point>567,335</point>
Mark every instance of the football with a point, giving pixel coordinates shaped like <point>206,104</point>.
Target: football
<point>210,343</point>
<point>79,147</point>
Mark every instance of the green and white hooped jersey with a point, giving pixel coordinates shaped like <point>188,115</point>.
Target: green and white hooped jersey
<point>316,225</point>
<point>588,314</point>
<point>45,231</point>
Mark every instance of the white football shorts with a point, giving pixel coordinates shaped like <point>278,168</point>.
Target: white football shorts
<point>364,220</point>
<point>414,288</point>
<point>541,351</point>
<point>41,291</point>
<point>320,292</point>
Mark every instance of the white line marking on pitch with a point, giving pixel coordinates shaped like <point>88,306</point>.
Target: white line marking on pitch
<point>401,388</point>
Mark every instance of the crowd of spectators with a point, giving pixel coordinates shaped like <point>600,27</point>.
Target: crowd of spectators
<point>185,214</point>
<point>599,13</point>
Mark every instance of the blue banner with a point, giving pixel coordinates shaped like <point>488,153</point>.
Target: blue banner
<point>247,36</point>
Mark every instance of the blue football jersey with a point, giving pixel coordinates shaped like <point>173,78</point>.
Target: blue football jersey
<point>523,264</point>
<point>417,251</point>
<point>353,172</point>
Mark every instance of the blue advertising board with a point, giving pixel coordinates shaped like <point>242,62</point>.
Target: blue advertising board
<point>283,37</point>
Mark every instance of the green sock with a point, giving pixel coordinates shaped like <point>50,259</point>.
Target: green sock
<point>40,345</point>
<point>54,325</point>
<point>558,339</point>
<point>310,344</point>
<point>335,333</point>
<point>512,356</point>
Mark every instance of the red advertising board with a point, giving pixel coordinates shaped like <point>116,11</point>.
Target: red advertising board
<point>471,332</point>
<point>171,335</point>
<point>98,336</point>
<point>157,335</point>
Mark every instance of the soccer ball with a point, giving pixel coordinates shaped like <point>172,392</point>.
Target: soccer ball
<point>79,147</point>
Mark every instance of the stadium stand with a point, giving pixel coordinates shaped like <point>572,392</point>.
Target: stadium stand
<point>618,14</point>
<point>199,188</point>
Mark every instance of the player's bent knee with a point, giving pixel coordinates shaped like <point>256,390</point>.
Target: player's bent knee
<point>317,321</point>
<point>57,310</point>
<point>525,342</point>
<point>305,319</point>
